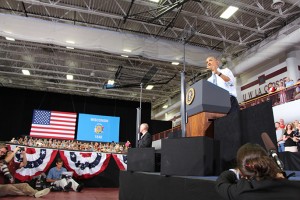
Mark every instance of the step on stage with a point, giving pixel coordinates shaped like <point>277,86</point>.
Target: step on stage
<point>153,186</point>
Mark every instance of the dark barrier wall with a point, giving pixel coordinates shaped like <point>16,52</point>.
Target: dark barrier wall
<point>228,132</point>
<point>17,105</point>
<point>255,120</point>
<point>236,129</point>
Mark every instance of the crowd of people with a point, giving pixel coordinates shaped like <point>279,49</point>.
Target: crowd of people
<point>286,90</point>
<point>109,147</point>
<point>288,136</point>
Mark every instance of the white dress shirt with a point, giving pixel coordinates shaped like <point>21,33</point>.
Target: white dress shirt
<point>229,86</point>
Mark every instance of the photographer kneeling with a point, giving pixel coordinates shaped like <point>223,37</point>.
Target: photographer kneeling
<point>257,177</point>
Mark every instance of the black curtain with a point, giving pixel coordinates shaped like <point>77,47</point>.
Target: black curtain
<point>17,105</point>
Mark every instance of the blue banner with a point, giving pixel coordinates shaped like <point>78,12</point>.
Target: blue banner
<point>98,128</point>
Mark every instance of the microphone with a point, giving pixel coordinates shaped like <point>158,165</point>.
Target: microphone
<point>271,148</point>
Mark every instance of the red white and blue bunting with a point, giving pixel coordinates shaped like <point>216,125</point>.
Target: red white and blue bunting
<point>38,161</point>
<point>121,160</point>
<point>83,164</point>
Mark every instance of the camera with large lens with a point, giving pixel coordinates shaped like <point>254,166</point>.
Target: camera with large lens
<point>21,149</point>
<point>4,169</point>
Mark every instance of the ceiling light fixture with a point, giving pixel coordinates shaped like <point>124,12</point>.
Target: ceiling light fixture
<point>156,1</point>
<point>70,42</point>
<point>277,4</point>
<point>25,72</point>
<point>70,77</point>
<point>165,106</point>
<point>175,63</point>
<point>124,56</point>
<point>127,50</point>
<point>10,39</point>
<point>149,87</point>
<point>110,82</point>
<point>229,12</point>
<point>70,47</point>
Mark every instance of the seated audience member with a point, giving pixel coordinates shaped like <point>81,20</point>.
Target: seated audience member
<point>146,138</point>
<point>256,177</point>
<point>55,177</point>
<point>12,189</point>
<point>279,136</point>
<point>290,139</point>
<point>127,144</point>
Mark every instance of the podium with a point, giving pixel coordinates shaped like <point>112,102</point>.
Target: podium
<point>205,102</point>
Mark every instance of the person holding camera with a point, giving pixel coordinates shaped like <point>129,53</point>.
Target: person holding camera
<point>256,176</point>
<point>8,165</point>
<point>66,183</point>
<point>7,170</point>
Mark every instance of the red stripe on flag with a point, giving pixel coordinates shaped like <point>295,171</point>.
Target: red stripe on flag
<point>60,125</point>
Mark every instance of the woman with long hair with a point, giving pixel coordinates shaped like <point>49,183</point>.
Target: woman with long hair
<point>290,139</point>
<point>256,177</point>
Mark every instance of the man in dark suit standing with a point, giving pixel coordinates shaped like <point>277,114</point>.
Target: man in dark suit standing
<point>146,138</point>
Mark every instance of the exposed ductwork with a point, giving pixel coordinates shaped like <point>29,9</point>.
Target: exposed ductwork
<point>293,2</point>
<point>286,38</point>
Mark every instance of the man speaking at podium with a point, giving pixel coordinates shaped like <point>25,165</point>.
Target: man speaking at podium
<point>223,78</point>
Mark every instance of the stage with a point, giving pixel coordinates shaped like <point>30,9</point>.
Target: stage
<point>150,186</point>
<point>153,186</point>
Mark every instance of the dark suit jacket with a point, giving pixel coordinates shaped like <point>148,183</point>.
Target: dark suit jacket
<point>230,188</point>
<point>145,141</point>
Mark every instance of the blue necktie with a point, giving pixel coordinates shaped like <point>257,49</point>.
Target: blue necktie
<point>214,79</point>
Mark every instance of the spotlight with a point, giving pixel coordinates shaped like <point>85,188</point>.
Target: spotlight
<point>277,4</point>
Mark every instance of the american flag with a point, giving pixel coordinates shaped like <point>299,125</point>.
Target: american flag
<point>53,124</point>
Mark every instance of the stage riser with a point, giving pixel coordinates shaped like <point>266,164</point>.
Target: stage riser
<point>137,186</point>
<point>196,156</point>
<point>141,159</point>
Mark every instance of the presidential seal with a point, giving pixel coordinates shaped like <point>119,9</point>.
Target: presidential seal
<point>99,128</point>
<point>190,95</point>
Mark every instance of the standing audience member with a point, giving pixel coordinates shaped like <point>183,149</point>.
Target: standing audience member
<point>279,136</point>
<point>256,177</point>
<point>146,138</point>
<point>290,139</point>
<point>55,177</point>
<point>297,135</point>
<point>295,123</point>
<point>289,88</point>
<point>297,90</point>
<point>282,95</point>
<point>271,89</point>
<point>281,124</point>
<point>12,189</point>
